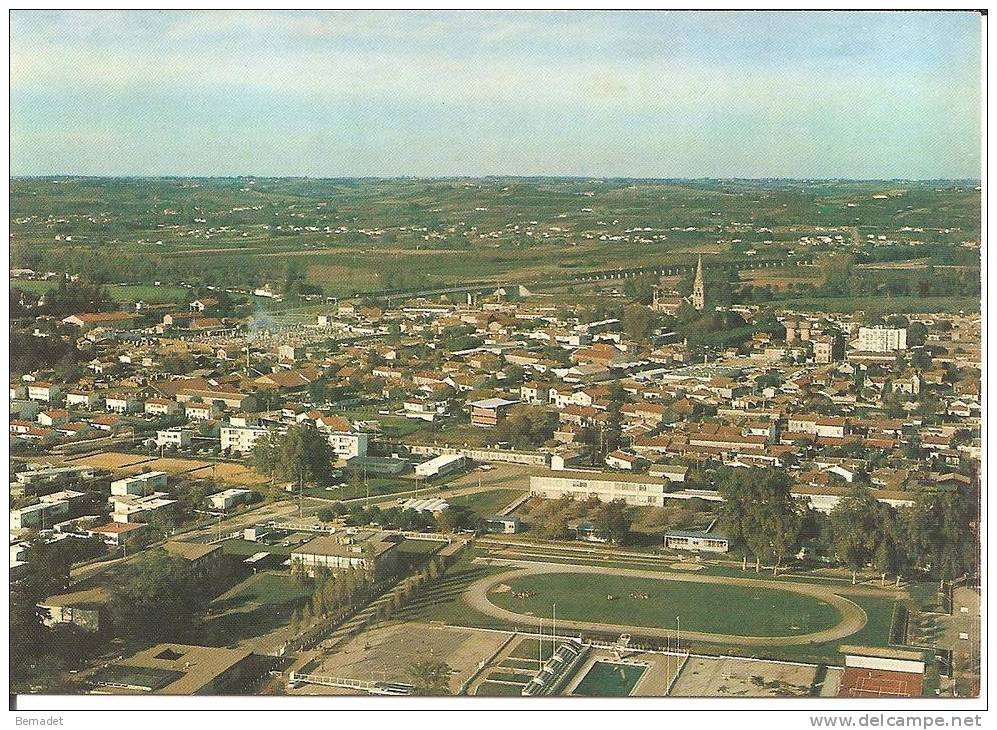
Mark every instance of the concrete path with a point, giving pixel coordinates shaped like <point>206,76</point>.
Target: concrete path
<point>853,617</point>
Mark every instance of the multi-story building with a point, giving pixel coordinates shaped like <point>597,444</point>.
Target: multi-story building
<point>44,392</point>
<point>881,339</point>
<point>239,439</point>
<point>338,554</point>
<point>487,413</point>
<point>825,426</point>
<point>176,437</point>
<point>346,445</point>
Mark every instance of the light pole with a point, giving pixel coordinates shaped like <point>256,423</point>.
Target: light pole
<point>678,633</point>
<point>554,632</point>
<point>540,650</point>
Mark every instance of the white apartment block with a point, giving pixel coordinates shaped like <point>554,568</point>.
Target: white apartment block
<point>347,445</point>
<point>178,437</point>
<point>243,440</point>
<point>826,426</point>
<point>881,339</point>
<point>44,392</point>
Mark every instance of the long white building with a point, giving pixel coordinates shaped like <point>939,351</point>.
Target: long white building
<point>634,489</point>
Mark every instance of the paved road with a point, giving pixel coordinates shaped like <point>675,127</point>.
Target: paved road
<point>853,618</point>
<point>263,513</point>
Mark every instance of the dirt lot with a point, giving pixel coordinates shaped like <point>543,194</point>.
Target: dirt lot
<point>386,654</point>
<point>133,464</point>
<point>232,473</point>
<point>728,677</point>
<point>171,466</point>
<point>112,460</point>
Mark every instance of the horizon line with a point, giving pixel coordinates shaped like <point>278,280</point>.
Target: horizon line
<point>600,178</point>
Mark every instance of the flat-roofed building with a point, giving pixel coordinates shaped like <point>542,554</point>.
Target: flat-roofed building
<point>180,669</point>
<point>243,440</point>
<point>230,498</point>
<point>881,339</point>
<point>40,515</point>
<point>35,478</point>
<point>634,489</point>
<point>177,437</point>
<point>80,608</point>
<point>441,466</point>
<point>197,554</point>
<point>707,542</point>
<point>116,534</point>
<point>348,445</point>
<point>130,508</point>
<point>141,484</point>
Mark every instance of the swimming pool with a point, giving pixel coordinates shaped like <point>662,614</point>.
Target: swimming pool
<point>610,679</point>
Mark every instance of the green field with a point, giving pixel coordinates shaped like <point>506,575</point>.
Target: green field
<point>237,546</point>
<point>746,612</point>
<point>268,589</point>
<point>892,305</point>
<point>379,487</point>
<point>497,689</point>
<point>446,231</point>
<point>487,504</point>
<point>123,293</point>
<point>608,679</point>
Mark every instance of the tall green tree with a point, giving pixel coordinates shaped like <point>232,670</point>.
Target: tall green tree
<point>857,529</point>
<point>430,678</point>
<point>760,512</point>
<point>942,531</point>
<point>301,456</point>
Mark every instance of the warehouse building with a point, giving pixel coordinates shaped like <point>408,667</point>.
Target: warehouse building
<point>440,466</point>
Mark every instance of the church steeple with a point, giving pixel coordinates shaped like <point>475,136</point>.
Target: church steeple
<point>699,287</point>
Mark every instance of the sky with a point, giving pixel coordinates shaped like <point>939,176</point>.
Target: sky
<point>664,94</point>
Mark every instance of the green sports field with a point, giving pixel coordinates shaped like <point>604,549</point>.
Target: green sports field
<point>705,607</point>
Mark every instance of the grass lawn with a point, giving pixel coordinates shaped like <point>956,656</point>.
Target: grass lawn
<point>237,546</point>
<point>379,487</point>
<point>267,589</point>
<point>442,601</point>
<point>511,663</point>
<point>750,611</point>
<point>487,504</point>
<point>496,689</point>
<point>876,632</point>
<point>531,649</point>
<point>511,677</point>
<point>879,619</point>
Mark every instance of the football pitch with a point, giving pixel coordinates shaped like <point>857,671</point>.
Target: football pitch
<point>630,601</point>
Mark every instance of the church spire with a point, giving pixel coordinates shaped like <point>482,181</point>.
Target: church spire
<point>699,287</point>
